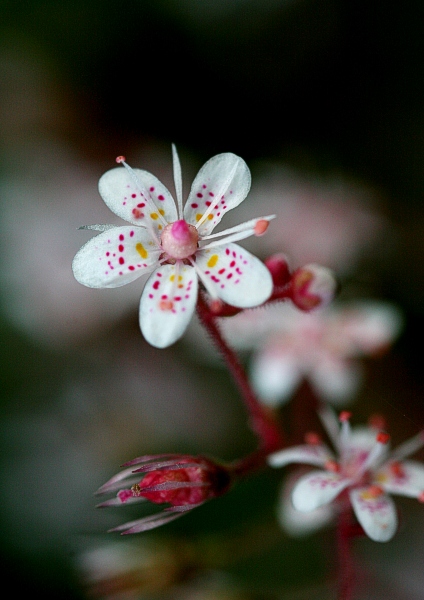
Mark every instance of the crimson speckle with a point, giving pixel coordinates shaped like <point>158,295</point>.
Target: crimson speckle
<point>221,271</point>
<point>177,298</point>
<point>229,275</point>
<point>161,197</point>
<point>121,237</point>
<point>194,205</point>
<point>199,195</point>
<point>121,248</point>
<point>107,253</point>
<point>141,205</point>
<point>121,260</point>
<point>227,251</point>
<point>233,263</point>
<point>152,189</point>
<point>131,268</point>
<point>133,195</point>
<point>164,296</point>
<point>131,233</point>
<point>208,202</point>
<point>150,295</point>
<point>204,186</point>
<point>156,285</point>
<point>211,194</point>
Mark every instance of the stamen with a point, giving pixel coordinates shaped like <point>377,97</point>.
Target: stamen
<point>383,437</point>
<point>345,415</point>
<point>312,438</point>
<point>375,454</point>
<point>260,227</point>
<point>332,466</point>
<point>331,425</point>
<point>120,159</point>
<point>246,226</point>
<point>420,497</point>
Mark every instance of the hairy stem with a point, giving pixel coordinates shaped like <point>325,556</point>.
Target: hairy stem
<point>262,421</point>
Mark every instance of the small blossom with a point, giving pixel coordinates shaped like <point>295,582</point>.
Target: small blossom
<point>184,482</point>
<point>324,346</point>
<point>366,474</point>
<point>175,245</point>
<point>313,286</point>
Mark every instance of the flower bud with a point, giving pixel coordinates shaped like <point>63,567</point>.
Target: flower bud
<point>313,286</point>
<point>279,268</point>
<point>184,482</point>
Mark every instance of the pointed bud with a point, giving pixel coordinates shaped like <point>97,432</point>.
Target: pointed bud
<point>278,266</point>
<point>313,286</point>
<point>184,482</point>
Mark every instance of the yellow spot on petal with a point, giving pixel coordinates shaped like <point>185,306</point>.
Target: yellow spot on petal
<point>162,212</point>
<point>198,216</point>
<point>210,217</point>
<point>213,260</point>
<point>154,216</point>
<point>373,492</point>
<point>159,227</point>
<point>180,277</point>
<point>141,250</point>
<point>172,277</point>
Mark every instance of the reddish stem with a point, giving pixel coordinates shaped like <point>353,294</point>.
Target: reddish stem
<point>345,533</point>
<point>262,422</point>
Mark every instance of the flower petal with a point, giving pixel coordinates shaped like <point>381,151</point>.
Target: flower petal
<point>376,514</point>
<point>295,522</point>
<point>316,489</point>
<point>336,381</point>
<point>369,326</point>
<point>167,304</point>
<point>238,277</point>
<point>308,454</point>
<point>115,257</point>
<point>275,375</point>
<point>142,201</point>
<point>405,478</point>
<point>223,180</point>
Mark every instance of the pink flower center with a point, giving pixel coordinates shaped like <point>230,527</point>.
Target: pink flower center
<point>179,239</point>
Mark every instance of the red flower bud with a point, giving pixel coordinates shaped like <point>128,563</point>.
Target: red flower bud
<point>313,286</point>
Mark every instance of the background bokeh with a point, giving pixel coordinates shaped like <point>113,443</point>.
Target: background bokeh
<point>324,100</point>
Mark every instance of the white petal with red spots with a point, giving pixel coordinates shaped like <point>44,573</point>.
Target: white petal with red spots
<point>405,478</point>
<point>115,257</point>
<point>167,304</point>
<point>316,489</point>
<point>224,180</point>
<point>275,375</point>
<point>145,202</point>
<point>376,514</point>
<point>236,276</point>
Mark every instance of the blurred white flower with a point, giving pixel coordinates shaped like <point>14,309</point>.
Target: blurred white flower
<point>362,472</point>
<point>322,346</point>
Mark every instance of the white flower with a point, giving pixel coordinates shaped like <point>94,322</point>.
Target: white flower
<point>365,473</point>
<point>175,244</point>
<point>323,346</point>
